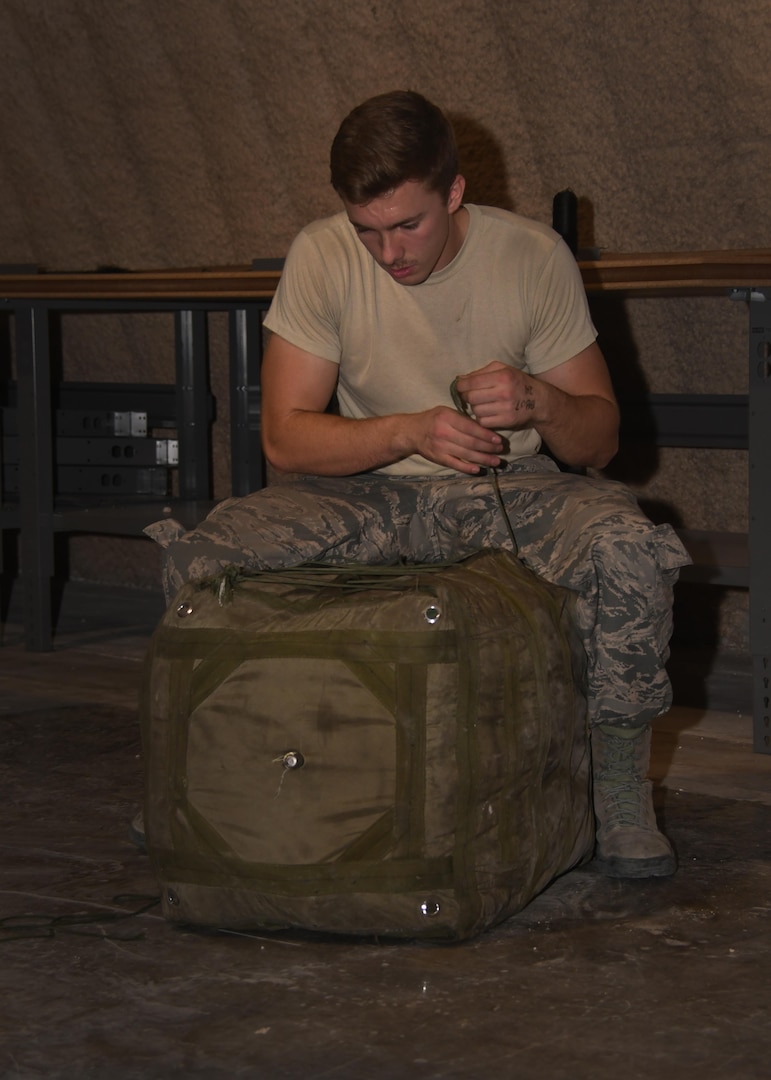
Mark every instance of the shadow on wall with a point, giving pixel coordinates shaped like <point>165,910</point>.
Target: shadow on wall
<point>697,609</point>
<point>481,163</point>
<point>637,461</point>
<point>697,614</point>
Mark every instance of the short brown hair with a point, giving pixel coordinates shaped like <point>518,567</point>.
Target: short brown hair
<point>388,140</point>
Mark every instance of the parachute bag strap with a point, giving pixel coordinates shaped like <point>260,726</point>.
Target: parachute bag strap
<point>215,669</point>
<point>180,678</point>
<point>153,659</point>
<point>461,406</point>
<point>379,679</point>
<point>338,877</point>
<point>375,842</point>
<point>468,771</point>
<point>166,751</point>
<point>410,795</point>
<point>510,824</point>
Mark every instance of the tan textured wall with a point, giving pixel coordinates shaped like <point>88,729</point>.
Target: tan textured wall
<point>159,133</point>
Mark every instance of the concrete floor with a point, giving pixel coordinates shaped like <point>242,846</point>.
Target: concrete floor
<point>597,978</point>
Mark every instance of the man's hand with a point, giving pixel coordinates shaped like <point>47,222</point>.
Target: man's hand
<point>500,396</point>
<point>447,437</point>
<point>571,406</point>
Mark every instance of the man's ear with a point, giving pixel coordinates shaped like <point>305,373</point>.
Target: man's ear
<point>455,196</point>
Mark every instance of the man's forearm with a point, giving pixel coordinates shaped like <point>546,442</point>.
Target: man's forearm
<point>580,430</point>
<point>326,445</point>
<point>322,444</point>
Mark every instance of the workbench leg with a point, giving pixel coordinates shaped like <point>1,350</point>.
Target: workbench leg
<point>246,462</point>
<point>760,514</point>
<point>36,483</point>
<point>193,421</point>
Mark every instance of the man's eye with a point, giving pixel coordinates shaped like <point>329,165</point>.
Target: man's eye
<point>411,226</point>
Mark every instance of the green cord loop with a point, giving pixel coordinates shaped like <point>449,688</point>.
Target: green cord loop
<point>460,405</point>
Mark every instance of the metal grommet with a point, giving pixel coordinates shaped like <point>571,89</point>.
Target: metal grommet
<point>183,609</point>
<point>292,759</point>
<point>432,614</point>
<point>429,908</point>
<point>171,897</point>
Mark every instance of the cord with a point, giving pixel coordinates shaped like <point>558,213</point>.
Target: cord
<point>460,405</point>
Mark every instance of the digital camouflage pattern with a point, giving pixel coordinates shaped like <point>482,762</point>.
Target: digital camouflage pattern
<point>586,534</point>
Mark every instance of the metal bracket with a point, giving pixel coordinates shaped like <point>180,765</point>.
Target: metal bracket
<point>748,295</point>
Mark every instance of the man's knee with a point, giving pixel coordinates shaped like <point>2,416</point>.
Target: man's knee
<point>281,526</point>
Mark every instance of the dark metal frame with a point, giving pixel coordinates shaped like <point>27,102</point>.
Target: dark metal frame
<point>720,421</point>
<point>759,301</point>
<point>38,515</point>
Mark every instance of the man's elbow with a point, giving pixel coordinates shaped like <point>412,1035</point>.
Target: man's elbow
<point>604,454</point>
<point>278,459</point>
<point>276,451</point>
<point>607,438</point>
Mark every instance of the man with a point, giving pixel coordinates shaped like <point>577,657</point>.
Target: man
<point>382,306</point>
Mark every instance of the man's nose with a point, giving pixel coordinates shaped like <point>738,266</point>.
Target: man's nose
<point>391,250</point>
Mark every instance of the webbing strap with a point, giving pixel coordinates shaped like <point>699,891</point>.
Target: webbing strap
<point>316,879</point>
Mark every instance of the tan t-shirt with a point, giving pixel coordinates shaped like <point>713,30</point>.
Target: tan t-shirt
<point>513,293</point>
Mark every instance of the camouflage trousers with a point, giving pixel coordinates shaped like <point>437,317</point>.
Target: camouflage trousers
<point>585,534</point>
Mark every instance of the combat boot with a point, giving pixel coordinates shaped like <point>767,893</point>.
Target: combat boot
<point>629,843</point>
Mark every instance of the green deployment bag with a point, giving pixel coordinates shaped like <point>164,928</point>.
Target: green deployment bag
<point>366,750</point>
